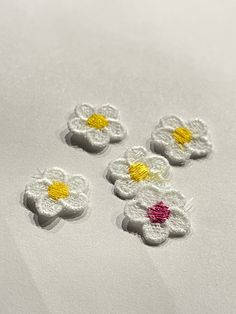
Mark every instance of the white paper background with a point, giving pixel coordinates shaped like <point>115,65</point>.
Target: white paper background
<point>149,58</point>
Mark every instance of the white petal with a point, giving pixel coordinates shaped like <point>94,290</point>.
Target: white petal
<point>55,174</point>
<point>108,111</point>
<point>149,195</point>
<point>78,183</point>
<point>197,127</point>
<point>118,169</point>
<point>75,204</point>
<point>98,139</point>
<point>173,198</point>
<point>162,137</point>
<point>84,111</point>
<point>126,188</point>
<point>116,131</point>
<point>77,125</point>
<point>178,224</point>
<point>36,189</point>
<point>48,207</point>
<point>155,234</point>
<point>199,147</point>
<point>158,165</point>
<point>171,122</point>
<point>136,153</point>
<point>177,154</point>
<point>135,212</point>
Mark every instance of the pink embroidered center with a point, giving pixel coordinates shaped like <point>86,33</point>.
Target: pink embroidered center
<point>158,213</point>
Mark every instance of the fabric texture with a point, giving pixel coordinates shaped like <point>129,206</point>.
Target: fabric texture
<point>94,128</point>
<point>56,193</point>
<point>160,213</point>
<point>179,141</point>
<point>135,170</point>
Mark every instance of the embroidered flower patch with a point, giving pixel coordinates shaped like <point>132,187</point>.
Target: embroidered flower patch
<point>179,141</point>
<point>56,193</point>
<point>96,128</point>
<point>136,169</point>
<point>160,213</point>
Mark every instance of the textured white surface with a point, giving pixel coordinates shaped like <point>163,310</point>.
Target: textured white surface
<point>96,139</point>
<point>155,231</point>
<point>74,203</point>
<point>150,59</point>
<point>125,186</point>
<point>163,141</point>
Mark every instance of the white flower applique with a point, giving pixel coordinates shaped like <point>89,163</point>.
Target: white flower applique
<point>179,141</point>
<point>136,169</point>
<point>161,214</point>
<point>56,193</point>
<point>95,128</point>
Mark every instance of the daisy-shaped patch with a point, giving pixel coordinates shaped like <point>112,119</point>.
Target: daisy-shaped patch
<point>136,169</point>
<point>161,214</point>
<point>179,141</point>
<point>95,128</point>
<point>55,193</point>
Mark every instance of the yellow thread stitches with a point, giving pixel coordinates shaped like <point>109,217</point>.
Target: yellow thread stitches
<point>97,121</point>
<point>182,135</point>
<point>139,171</point>
<point>58,190</point>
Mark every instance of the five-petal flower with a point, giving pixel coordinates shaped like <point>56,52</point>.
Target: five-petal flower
<point>136,169</point>
<point>160,213</point>
<point>96,128</point>
<point>56,193</point>
<point>179,141</point>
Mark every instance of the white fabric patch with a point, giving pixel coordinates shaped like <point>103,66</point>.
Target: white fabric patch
<point>178,153</point>
<point>120,172</point>
<point>56,193</point>
<point>161,213</point>
<point>95,139</point>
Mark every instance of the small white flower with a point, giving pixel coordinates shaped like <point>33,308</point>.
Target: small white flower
<point>96,128</point>
<point>160,213</point>
<point>56,193</point>
<point>180,141</point>
<point>136,169</point>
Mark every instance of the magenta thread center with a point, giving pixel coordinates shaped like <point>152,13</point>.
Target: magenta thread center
<point>158,213</point>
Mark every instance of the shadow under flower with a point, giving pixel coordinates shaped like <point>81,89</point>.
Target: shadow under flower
<point>45,222</point>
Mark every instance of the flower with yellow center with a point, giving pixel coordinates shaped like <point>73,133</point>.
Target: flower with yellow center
<point>94,128</point>
<point>58,194</point>
<point>136,169</point>
<point>139,171</point>
<point>97,121</point>
<point>58,190</point>
<point>182,135</point>
<point>181,140</point>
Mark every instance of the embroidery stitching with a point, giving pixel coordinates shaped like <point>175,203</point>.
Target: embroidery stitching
<point>182,135</point>
<point>94,128</point>
<point>97,121</point>
<point>139,171</point>
<point>58,190</point>
<point>160,213</point>
<point>58,194</point>
<point>179,141</point>
<point>135,170</point>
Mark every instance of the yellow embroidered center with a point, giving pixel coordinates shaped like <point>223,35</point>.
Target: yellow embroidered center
<point>97,121</point>
<point>182,135</point>
<point>139,171</point>
<point>58,190</point>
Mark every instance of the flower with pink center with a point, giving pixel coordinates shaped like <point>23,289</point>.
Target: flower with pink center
<point>167,217</point>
